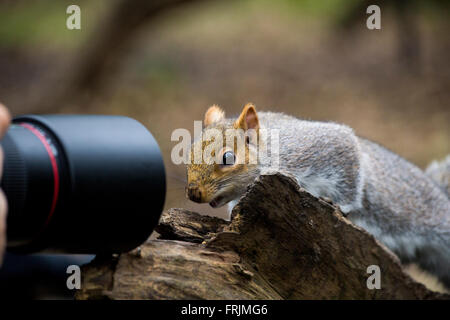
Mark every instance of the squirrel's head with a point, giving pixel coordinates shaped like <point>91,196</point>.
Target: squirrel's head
<point>225,157</point>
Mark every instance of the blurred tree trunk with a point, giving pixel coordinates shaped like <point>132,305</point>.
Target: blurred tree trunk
<point>409,52</point>
<point>407,31</point>
<point>103,52</point>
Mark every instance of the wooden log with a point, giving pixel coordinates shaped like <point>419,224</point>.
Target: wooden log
<point>282,243</point>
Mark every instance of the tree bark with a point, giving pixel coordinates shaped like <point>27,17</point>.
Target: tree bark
<point>282,243</point>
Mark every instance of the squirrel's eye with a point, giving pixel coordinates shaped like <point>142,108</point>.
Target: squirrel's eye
<point>228,158</point>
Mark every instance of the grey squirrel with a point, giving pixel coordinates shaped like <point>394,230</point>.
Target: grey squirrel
<point>405,208</point>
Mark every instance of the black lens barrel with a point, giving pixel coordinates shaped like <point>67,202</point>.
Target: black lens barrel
<point>81,183</point>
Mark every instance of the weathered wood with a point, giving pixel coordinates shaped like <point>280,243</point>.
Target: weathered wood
<point>180,224</point>
<point>282,243</point>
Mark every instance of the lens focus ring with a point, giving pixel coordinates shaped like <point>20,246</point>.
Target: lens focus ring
<point>14,180</point>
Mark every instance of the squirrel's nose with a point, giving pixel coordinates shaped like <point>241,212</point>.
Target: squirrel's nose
<point>193,192</point>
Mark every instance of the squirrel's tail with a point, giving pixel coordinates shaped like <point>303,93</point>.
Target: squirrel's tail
<point>439,172</point>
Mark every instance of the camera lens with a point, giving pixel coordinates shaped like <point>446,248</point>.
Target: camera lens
<point>81,183</point>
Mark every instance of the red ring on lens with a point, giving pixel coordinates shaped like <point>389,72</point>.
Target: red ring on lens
<point>54,164</point>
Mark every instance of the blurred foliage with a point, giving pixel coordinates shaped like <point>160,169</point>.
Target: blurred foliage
<point>43,23</point>
<point>34,23</point>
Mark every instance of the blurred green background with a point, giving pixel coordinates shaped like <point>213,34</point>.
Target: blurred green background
<point>165,62</point>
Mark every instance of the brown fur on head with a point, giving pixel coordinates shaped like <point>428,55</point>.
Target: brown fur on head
<point>221,182</point>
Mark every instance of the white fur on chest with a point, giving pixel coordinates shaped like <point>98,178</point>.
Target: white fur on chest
<point>230,207</point>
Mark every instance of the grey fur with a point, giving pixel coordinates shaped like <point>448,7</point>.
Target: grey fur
<point>380,191</point>
<point>439,171</point>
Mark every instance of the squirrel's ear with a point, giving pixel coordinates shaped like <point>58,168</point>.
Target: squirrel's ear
<point>214,114</point>
<point>248,118</point>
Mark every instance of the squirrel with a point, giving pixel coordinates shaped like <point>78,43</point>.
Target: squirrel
<point>404,207</point>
